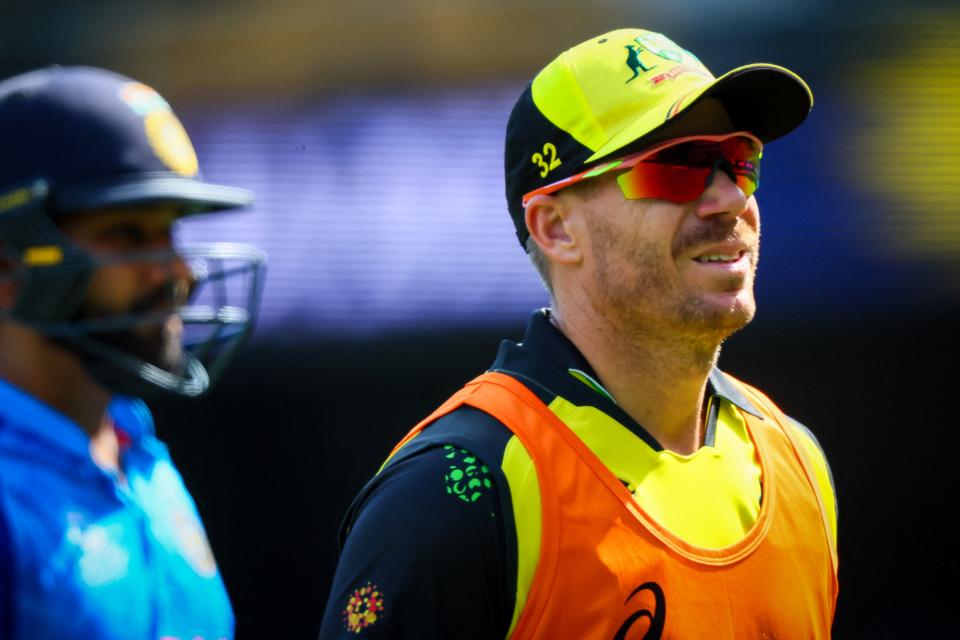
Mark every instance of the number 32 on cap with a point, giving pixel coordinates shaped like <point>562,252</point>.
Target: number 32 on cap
<point>547,161</point>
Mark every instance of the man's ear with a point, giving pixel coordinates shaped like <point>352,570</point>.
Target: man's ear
<point>552,225</point>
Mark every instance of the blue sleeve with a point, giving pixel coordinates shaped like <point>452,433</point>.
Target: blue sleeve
<point>425,554</point>
<point>6,576</point>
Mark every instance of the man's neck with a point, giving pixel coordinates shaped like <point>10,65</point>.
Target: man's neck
<point>659,381</point>
<point>56,377</point>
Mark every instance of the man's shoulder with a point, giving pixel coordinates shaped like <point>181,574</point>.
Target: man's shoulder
<point>465,427</point>
<point>457,456</point>
<point>436,519</point>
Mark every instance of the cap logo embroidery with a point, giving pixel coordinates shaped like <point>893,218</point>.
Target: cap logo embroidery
<point>673,73</point>
<point>663,48</point>
<point>548,160</point>
<point>634,62</point>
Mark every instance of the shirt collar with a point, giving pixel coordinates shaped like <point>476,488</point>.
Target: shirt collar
<point>720,385</point>
<point>552,366</point>
<point>132,416</point>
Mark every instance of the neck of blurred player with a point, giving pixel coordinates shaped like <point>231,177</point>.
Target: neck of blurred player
<point>56,377</point>
<point>659,381</point>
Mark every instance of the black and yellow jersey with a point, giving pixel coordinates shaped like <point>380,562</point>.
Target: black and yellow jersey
<point>444,540</point>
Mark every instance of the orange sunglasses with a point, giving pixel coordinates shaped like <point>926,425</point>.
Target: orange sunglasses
<point>678,170</point>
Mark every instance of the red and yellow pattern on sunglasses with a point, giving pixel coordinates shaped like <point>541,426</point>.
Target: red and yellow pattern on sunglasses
<point>678,170</point>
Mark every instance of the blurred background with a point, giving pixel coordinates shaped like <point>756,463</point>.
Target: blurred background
<point>372,134</point>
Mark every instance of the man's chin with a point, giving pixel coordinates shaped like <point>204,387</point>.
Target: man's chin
<point>161,345</point>
<point>720,314</point>
<point>738,307</point>
<point>167,356</point>
<point>172,362</point>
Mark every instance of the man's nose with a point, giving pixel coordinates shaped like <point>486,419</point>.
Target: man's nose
<point>722,197</point>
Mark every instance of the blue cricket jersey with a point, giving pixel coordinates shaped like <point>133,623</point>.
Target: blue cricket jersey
<point>86,554</point>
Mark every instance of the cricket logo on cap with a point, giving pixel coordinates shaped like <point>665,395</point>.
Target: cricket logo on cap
<point>659,46</point>
<point>167,137</point>
<point>633,61</point>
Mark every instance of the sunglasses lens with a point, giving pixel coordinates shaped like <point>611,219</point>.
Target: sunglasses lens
<point>663,182</point>
<point>747,181</point>
<point>680,173</point>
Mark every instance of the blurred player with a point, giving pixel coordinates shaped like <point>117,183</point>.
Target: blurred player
<point>605,480</point>
<point>99,538</point>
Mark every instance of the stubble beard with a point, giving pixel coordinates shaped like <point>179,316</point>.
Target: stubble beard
<point>156,343</point>
<point>645,304</point>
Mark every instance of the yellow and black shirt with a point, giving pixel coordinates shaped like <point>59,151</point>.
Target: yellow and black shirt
<point>444,541</point>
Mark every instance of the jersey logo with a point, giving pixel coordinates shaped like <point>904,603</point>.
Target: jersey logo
<point>548,160</point>
<point>363,608</point>
<point>467,478</point>
<point>101,556</point>
<point>657,617</point>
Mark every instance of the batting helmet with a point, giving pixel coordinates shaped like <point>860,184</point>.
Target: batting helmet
<point>77,139</point>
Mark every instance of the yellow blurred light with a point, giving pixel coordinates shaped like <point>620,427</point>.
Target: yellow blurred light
<point>908,148</point>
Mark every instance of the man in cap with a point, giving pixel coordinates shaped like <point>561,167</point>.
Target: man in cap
<point>604,479</point>
<point>99,538</point>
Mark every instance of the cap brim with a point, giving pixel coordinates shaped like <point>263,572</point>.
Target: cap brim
<point>193,195</point>
<point>767,100</point>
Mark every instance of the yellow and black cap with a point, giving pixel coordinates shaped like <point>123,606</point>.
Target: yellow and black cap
<point>622,91</point>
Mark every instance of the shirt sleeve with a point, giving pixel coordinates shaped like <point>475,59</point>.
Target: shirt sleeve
<point>6,576</point>
<point>423,555</point>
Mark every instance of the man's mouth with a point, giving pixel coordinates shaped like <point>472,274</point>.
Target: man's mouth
<point>720,257</point>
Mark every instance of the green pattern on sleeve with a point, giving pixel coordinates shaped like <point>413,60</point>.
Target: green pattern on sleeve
<point>466,478</point>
